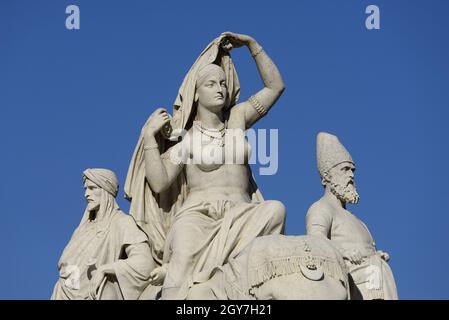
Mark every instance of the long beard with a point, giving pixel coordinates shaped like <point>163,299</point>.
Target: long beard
<point>93,210</point>
<point>345,191</point>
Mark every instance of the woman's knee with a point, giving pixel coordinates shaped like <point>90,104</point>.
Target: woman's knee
<point>184,238</point>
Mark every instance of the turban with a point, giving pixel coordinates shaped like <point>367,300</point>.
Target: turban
<point>104,178</point>
<point>330,152</point>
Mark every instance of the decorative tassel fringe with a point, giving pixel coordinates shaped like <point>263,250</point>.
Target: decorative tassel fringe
<point>290,265</point>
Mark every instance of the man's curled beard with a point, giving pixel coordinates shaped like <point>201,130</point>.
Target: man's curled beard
<point>345,191</point>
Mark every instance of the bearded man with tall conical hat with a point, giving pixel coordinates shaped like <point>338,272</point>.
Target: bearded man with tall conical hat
<point>370,273</point>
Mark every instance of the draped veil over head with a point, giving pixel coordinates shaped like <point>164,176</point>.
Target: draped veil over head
<point>154,212</point>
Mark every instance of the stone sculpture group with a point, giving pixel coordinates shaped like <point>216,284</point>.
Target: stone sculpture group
<point>200,229</point>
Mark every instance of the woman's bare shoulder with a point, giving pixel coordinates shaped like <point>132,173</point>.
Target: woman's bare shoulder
<point>236,117</point>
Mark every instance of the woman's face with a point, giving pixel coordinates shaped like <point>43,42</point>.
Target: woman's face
<point>211,91</point>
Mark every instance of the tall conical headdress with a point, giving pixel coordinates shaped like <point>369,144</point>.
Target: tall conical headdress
<point>330,152</point>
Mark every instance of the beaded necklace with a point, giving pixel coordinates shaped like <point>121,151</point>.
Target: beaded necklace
<point>215,135</point>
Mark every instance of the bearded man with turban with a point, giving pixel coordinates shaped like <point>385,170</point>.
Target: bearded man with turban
<point>371,276</point>
<point>108,256</point>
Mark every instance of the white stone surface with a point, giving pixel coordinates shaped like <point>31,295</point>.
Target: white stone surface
<point>328,217</point>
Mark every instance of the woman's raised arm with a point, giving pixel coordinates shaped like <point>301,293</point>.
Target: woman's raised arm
<point>261,102</point>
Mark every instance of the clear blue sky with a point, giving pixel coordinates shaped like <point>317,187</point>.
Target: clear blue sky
<point>76,99</point>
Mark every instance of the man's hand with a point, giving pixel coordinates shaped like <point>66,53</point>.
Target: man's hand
<point>383,255</point>
<point>97,279</point>
<point>63,272</point>
<point>157,276</point>
<point>354,256</point>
